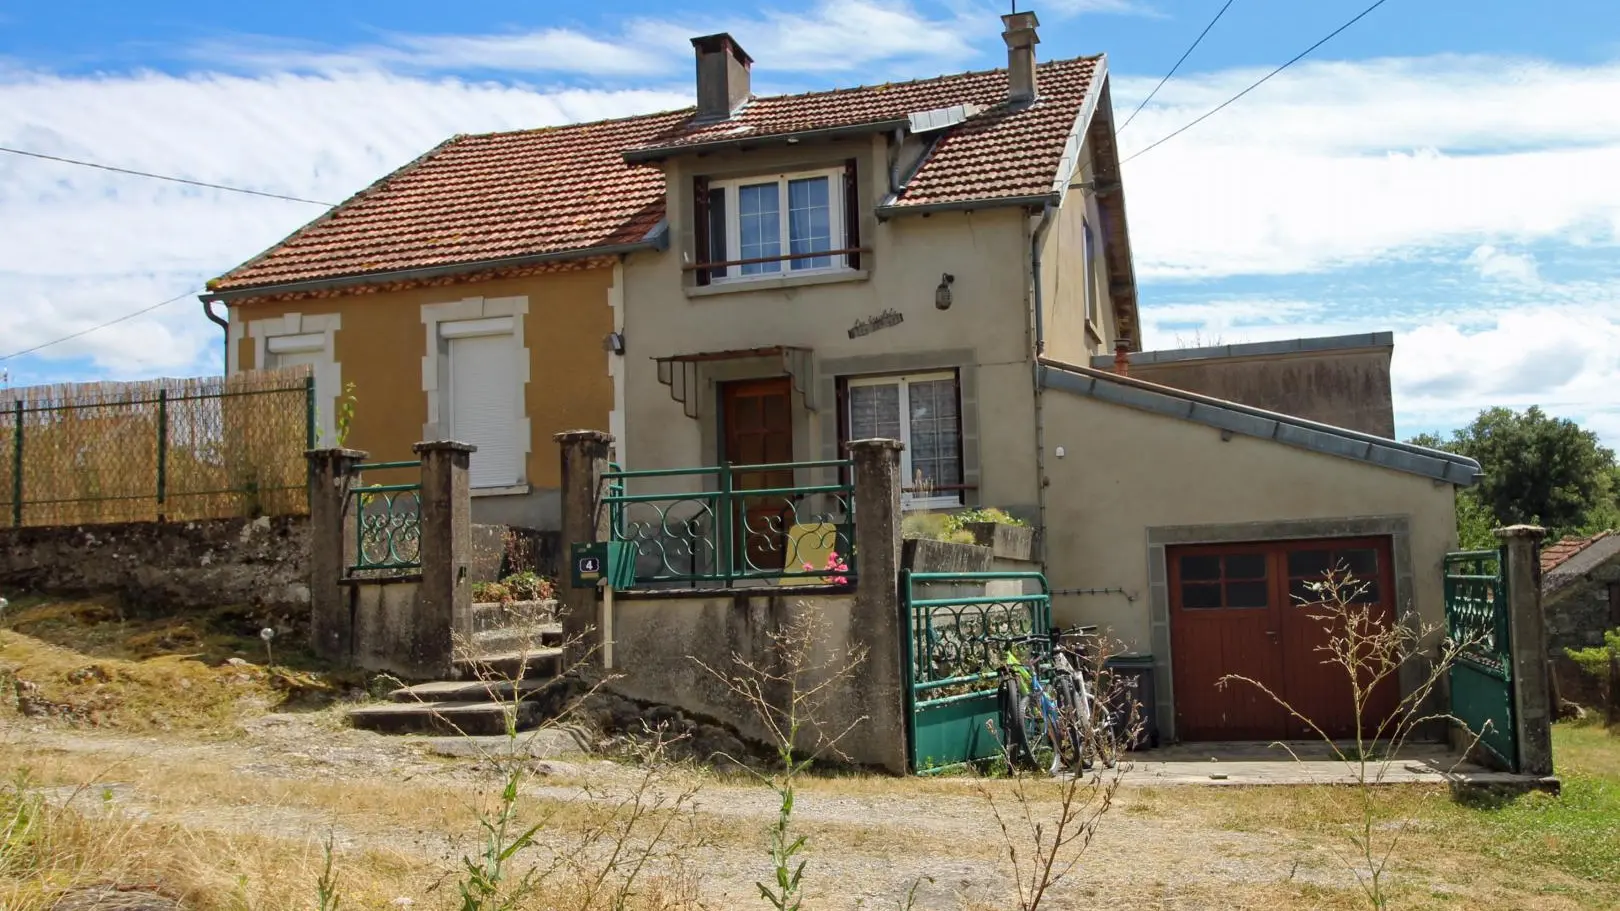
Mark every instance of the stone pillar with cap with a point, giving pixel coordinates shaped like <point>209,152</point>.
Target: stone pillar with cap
<point>332,550</point>
<point>444,601</point>
<point>584,519</point>
<point>876,615</point>
<point>1527,625</point>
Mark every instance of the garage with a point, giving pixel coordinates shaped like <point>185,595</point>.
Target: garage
<point>1236,609</point>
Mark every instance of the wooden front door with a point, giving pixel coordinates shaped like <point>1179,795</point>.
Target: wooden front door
<point>1238,609</point>
<point>758,428</point>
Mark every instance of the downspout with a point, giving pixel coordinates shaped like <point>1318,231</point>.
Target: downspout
<point>225,326</point>
<point>1037,241</point>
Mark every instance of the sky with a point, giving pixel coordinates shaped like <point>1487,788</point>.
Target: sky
<point>1448,170</point>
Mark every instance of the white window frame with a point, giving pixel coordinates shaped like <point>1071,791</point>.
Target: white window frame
<point>1089,258</point>
<point>836,235</point>
<point>297,333</point>
<point>947,500</point>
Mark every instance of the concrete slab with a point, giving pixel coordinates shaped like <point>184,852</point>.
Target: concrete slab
<point>442,717</point>
<point>546,743</point>
<point>467,690</point>
<point>1250,764</point>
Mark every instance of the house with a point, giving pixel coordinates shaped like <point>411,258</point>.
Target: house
<point>1340,380</point>
<point>941,261</point>
<point>761,279</point>
<point>468,295</point>
<point>1580,596</point>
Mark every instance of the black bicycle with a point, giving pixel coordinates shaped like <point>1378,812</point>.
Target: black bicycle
<point>1051,702</point>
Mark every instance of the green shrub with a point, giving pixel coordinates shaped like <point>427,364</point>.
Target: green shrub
<point>529,586</point>
<point>1595,660</point>
<point>952,527</point>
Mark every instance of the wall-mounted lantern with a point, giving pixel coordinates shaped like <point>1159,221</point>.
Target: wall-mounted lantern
<point>942,294</point>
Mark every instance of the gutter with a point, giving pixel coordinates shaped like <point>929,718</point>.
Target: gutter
<point>656,239</point>
<point>1037,239</point>
<point>968,205</point>
<point>658,153</point>
<point>225,326</point>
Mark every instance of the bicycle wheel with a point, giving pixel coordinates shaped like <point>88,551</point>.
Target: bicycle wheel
<point>1071,726</point>
<point>1014,731</point>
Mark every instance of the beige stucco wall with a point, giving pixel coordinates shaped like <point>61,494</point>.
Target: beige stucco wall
<point>1064,281</point>
<point>1348,389</point>
<point>1126,471</point>
<point>985,333</point>
<point>380,348</point>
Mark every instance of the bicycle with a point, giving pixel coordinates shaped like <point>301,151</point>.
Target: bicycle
<point>1066,713</point>
<point>1029,711</point>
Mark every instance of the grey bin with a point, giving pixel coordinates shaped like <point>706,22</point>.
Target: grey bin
<point>1128,684</point>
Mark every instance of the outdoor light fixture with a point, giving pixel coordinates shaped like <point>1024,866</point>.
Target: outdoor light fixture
<point>615,342</point>
<point>942,294</point>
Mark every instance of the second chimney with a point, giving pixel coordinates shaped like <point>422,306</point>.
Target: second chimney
<point>722,76</point>
<point>1122,356</point>
<point>1021,40</point>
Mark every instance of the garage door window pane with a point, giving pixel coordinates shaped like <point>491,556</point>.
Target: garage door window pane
<point>1309,564</point>
<point>1362,562</point>
<point>1246,566</point>
<point>1200,596</point>
<point>1246,594</point>
<point>1201,568</point>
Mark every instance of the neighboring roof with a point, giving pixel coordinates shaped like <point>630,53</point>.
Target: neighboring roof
<point>1256,422</point>
<point>1560,554</point>
<point>1255,349</point>
<point>473,199</point>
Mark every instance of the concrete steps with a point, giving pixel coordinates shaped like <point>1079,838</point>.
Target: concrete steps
<point>477,718</point>
<point>515,653</point>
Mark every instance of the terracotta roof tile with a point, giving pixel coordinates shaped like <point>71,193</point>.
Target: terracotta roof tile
<point>1554,555</point>
<point>568,188</point>
<point>481,197</point>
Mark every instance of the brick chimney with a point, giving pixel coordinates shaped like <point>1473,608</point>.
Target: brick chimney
<point>1122,356</point>
<point>1021,40</point>
<point>722,76</point>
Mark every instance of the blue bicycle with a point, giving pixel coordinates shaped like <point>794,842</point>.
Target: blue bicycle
<point>1053,707</point>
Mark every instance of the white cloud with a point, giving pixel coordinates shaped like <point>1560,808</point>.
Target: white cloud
<point>1333,164</point>
<point>1115,7</point>
<point>79,247</point>
<point>1502,265</point>
<point>830,36</point>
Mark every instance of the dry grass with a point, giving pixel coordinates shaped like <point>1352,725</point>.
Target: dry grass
<point>231,446</point>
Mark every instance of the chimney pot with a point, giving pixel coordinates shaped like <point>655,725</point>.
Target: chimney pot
<point>722,76</point>
<point>1122,356</point>
<point>1019,33</point>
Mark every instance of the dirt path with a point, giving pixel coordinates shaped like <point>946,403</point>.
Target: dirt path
<point>871,838</point>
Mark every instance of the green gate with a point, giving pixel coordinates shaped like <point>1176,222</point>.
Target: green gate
<point>1482,677</point>
<point>951,661</point>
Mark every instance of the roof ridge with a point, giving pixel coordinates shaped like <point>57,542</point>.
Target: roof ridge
<point>921,80</point>
<point>578,125</point>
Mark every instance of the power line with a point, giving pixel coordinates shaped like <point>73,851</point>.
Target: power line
<point>194,183</point>
<point>1185,54</point>
<point>111,322</point>
<point>1261,81</point>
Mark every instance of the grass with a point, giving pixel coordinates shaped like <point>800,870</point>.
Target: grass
<point>85,662</point>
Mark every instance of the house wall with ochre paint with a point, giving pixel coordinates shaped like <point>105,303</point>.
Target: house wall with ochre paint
<point>379,342</point>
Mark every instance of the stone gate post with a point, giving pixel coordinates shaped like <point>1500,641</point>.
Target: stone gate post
<point>444,601</point>
<point>876,613</point>
<point>1528,629</point>
<point>584,519</point>
<point>332,550</point>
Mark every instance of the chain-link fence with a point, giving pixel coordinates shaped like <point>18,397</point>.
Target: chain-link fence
<point>172,449</point>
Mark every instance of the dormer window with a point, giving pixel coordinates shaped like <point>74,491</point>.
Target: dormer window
<point>770,226</point>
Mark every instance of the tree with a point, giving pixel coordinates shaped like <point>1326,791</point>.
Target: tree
<point>1538,469</point>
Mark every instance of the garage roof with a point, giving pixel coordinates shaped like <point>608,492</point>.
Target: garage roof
<point>1259,423</point>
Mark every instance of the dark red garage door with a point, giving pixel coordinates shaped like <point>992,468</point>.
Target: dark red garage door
<point>1233,610</point>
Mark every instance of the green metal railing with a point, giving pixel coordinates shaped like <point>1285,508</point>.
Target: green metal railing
<point>951,654</point>
<point>387,522</point>
<point>1482,681</point>
<point>730,530</point>
<point>149,451</point>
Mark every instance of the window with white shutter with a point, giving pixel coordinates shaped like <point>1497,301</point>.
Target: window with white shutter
<point>485,399</point>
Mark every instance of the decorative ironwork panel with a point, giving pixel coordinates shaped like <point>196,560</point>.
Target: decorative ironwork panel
<point>955,643</point>
<point>387,527</point>
<point>719,533</point>
<point>1482,679</point>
